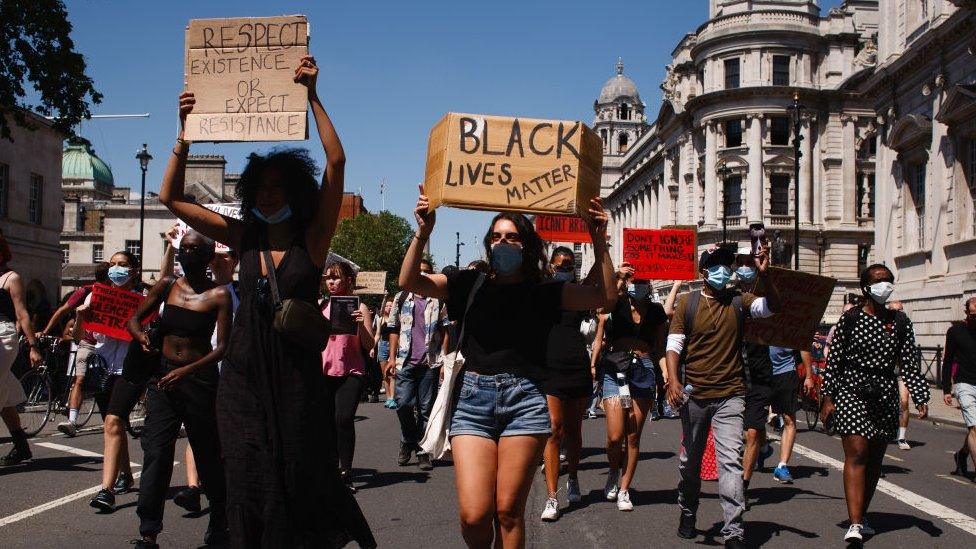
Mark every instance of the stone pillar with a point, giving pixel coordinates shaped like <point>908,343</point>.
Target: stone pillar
<point>938,185</point>
<point>849,171</point>
<point>639,207</point>
<point>664,204</point>
<point>818,176</point>
<point>754,184</point>
<point>711,183</point>
<point>806,174</point>
<point>646,220</point>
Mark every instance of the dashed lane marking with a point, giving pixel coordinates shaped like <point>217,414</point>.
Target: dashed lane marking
<point>76,451</point>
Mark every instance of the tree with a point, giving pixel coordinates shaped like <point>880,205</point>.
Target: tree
<point>36,47</point>
<point>375,242</point>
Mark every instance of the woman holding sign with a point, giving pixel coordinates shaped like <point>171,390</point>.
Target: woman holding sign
<point>283,486</point>
<point>500,420</point>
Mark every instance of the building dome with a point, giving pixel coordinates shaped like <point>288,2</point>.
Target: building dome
<point>619,86</point>
<point>78,161</point>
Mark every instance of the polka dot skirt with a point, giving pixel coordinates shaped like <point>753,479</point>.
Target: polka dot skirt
<point>866,352</point>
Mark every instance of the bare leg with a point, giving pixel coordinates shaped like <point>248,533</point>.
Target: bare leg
<point>475,469</point>
<point>116,452</point>
<point>789,436</point>
<point>616,430</point>
<point>74,398</point>
<point>572,432</point>
<point>970,445</point>
<point>517,459</point>
<point>556,417</point>
<point>192,479</point>
<point>876,451</point>
<point>635,426</point>
<point>11,418</point>
<point>855,462</point>
<point>903,413</point>
<point>755,440</point>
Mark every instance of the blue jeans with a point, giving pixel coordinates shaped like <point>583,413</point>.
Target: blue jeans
<point>494,406</point>
<point>416,390</point>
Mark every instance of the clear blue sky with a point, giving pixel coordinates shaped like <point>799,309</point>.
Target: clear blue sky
<point>389,70</point>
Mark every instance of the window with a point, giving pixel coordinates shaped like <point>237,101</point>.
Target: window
<point>779,194</point>
<point>779,130</point>
<point>34,203</point>
<point>733,133</point>
<point>869,148</point>
<point>701,79</point>
<point>781,70</point>
<point>624,111</point>
<point>603,134</point>
<point>731,73</point>
<point>916,186</point>
<point>80,218</point>
<point>865,195</point>
<point>863,252</point>
<point>4,187</point>
<point>133,247</point>
<point>622,142</point>
<point>98,253</point>
<point>971,150</point>
<point>732,195</point>
<point>64,254</point>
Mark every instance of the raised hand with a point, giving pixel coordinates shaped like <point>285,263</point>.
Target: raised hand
<point>425,216</point>
<point>762,259</point>
<point>307,73</point>
<point>187,101</point>
<point>597,221</point>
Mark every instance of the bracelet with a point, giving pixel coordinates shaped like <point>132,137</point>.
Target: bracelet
<point>421,238</point>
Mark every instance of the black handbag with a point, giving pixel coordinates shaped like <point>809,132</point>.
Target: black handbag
<point>617,361</point>
<point>299,321</point>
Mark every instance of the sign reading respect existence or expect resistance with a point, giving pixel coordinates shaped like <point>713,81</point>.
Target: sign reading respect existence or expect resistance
<point>111,308</point>
<point>804,298</point>
<point>661,254</point>
<point>562,229</point>
<point>242,72</point>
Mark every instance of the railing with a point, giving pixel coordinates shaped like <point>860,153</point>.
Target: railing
<point>756,18</point>
<point>932,363</point>
<point>781,220</point>
<point>865,222</point>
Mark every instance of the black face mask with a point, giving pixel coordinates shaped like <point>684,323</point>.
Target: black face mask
<point>193,259</point>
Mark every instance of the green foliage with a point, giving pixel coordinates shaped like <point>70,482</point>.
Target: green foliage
<point>36,47</point>
<point>375,242</point>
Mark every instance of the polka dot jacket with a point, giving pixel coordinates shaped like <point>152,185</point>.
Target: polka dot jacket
<point>866,356</point>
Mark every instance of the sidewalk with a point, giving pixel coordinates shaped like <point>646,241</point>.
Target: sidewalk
<point>939,412</point>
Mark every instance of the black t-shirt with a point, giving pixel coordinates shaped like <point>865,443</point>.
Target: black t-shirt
<point>508,325</point>
<point>960,349</point>
<point>756,358</point>
<point>622,322</point>
<point>566,349</point>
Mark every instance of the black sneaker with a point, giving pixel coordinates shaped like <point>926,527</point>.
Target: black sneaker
<point>403,457</point>
<point>123,483</point>
<point>18,454</point>
<point>188,498</point>
<point>374,398</point>
<point>962,466</point>
<point>145,544</point>
<point>217,532</point>
<point>103,501</point>
<point>686,527</point>
<point>735,543</point>
<point>346,477</point>
<point>424,461</point>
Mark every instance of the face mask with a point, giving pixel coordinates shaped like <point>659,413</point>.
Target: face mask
<point>564,276</point>
<point>638,291</point>
<point>881,291</point>
<point>718,276</point>
<point>746,274</point>
<point>191,259</point>
<point>275,218</point>
<point>118,275</point>
<point>506,259</point>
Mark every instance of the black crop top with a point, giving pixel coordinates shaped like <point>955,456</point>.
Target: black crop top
<point>181,322</point>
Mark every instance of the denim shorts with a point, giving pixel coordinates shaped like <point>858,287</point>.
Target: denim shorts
<point>966,394</point>
<point>501,405</point>
<point>642,382</point>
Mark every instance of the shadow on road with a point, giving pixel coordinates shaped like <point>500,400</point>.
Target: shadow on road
<point>364,479</point>
<point>66,463</point>
<point>782,494</point>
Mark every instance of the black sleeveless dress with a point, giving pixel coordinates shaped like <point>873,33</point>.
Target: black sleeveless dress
<point>283,487</point>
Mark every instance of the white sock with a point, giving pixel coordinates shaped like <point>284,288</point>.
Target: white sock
<point>901,433</point>
<point>73,415</point>
<point>782,464</point>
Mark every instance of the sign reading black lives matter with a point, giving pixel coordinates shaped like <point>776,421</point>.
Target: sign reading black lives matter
<point>515,164</point>
<point>242,72</point>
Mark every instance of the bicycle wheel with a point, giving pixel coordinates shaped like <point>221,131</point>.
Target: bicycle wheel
<point>134,424</point>
<point>35,412</point>
<point>811,411</point>
<point>94,370</point>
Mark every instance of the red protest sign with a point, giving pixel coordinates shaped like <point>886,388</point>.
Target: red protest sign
<point>661,254</point>
<point>562,229</point>
<point>111,308</point>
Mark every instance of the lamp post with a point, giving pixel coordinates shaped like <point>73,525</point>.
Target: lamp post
<point>457,250</point>
<point>820,247</point>
<point>724,172</point>
<point>143,157</point>
<point>796,110</point>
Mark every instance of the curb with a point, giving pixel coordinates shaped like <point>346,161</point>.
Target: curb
<point>955,422</point>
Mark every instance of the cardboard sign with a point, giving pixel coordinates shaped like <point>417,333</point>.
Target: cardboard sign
<point>242,72</point>
<point>111,308</point>
<point>661,254</point>
<point>804,299</point>
<point>515,164</point>
<point>370,283</point>
<point>229,210</point>
<point>562,229</point>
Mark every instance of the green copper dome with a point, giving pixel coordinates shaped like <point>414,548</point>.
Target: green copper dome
<point>78,161</point>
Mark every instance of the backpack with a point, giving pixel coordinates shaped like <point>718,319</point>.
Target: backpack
<point>691,309</point>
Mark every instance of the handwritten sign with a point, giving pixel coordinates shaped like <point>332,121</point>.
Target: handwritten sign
<point>661,254</point>
<point>242,71</point>
<point>111,308</point>
<point>562,229</point>
<point>804,299</point>
<point>370,283</point>
<point>230,210</point>
<point>516,164</point>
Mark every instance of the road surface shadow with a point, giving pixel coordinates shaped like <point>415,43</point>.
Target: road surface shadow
<point>66,463</point>
<point>602,463</point>
<point>884,523</point>
<point>364,479</point>
<point>759,533</point>
<point>782,494</point>
<point>804,471</point>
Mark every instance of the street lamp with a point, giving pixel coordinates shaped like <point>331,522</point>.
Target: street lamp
<point>457,250</point>
<point>796,111</point>
<point>723,172</point>
<point>143,157</point>
<point>820,247</point>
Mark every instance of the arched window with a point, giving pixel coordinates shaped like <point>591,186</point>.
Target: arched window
<point>624,111</point>
<point>603,134</point>
<point>622,141</point>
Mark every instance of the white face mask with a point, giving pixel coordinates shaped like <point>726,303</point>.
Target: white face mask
<point>881,291</point>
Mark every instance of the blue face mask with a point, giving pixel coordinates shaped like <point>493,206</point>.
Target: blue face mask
<point>506,259</point>
<point>638,291</point>
<point>719,276</point>
<point>275,218</point>
<point>564,276</point>
<point>746,274</point>
<point>118,275</point>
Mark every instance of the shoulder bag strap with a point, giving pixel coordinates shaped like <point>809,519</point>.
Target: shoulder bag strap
<point>269,263</point>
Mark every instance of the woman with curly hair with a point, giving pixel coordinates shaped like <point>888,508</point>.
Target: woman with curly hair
<point>283,486</point>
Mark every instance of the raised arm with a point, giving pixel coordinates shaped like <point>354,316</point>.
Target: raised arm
<point>410,279</point>
<point>167,266</point>
<point>171,193</point>
<point>672,296</point>
<point>603,292</point>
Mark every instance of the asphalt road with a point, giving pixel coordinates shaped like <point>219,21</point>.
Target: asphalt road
<point>45,503</point>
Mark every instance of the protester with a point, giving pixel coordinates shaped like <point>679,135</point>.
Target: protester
<point>344,366</point>
<point>118,393</point>
<point>283,486</point>
<point>500,421</point>
<point>381,350</point>
<point>860,394</point>
<point>708,325</point>
<point>13,313</point>
<point>904,414</point>
<point>567,384</point>
<point>182,388</point>
<point>419,325</point>
<point>960,350</point>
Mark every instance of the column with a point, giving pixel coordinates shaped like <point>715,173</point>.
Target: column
<point>647,208</point>
<point>641,210</point>
<point>818,214</point>
<point>849,172</point>
<point>664,203</point>
<point>652,190</point>
<point>806,174</point>
<point>754,183</point>
<point>937,184</point>
<point>711,186</point>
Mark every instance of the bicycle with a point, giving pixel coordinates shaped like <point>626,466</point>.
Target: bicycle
<point>811,402</point>
<point>48,391</point>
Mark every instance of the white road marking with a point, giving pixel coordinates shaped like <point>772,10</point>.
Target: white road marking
<point>954,479</point>
<point>76,451</point>
<point>935,509</point>
<point>891,457</point>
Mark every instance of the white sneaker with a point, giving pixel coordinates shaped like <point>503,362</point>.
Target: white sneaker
<point>612,488</point>
<point>865,529</point>
<point>551,512</point>
<point>573,490</point>
<point>68,428</point>
<point>623,501</point>
<point>854,533</point>
<point>903,444</point>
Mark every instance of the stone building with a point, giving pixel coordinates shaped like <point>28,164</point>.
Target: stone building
<point>30,203</point>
